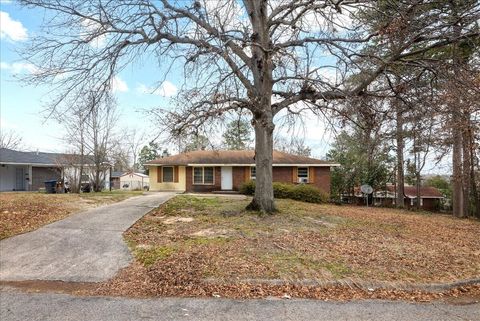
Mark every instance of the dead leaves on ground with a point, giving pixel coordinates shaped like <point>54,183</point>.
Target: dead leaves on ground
<point>348,243</point>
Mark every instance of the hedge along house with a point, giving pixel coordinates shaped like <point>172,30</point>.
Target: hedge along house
<point>210,171</point>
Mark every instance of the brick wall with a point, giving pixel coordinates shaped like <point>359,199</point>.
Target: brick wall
<point>318,176</point>
<point>240,175</point>
<point>190,187</point>
<point>284,174</point>
<point>322,178</point>
<point>42,174</point>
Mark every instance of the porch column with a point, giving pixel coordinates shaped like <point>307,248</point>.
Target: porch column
<point>30,178</point>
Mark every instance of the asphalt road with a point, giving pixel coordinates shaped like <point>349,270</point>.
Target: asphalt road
<point>84,247</point>
<point>16,305</point>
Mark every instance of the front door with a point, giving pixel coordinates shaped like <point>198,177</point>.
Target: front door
<point>19,179</point>
<point>227,180</point>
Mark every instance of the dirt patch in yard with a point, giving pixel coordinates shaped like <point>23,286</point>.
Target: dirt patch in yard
<point>26,211</point>
<point>224,247</point>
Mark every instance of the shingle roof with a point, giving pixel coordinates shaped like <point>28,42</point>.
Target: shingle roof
<point>117,174</point>
<point>409,191</point>
<point>133,173</point>
<point>237,157</point>
<point>16,157</point>
<point>425,191</point>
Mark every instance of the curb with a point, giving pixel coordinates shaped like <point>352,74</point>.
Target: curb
<point>359,284</point>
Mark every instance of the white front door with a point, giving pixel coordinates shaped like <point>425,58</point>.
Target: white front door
<point>227,179</point>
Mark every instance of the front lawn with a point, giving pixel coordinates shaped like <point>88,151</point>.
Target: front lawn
<point>192,245</point>
<point>22,212</point>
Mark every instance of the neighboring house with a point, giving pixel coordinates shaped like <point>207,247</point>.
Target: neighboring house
<point>28,171</point>
<point>430,197</point>
<point>134,181</point>
<point>208,171</point>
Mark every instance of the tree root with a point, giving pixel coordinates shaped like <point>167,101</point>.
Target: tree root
<point>266,209</point>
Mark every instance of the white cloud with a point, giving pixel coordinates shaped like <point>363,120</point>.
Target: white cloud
<point>18,67</point>
<point>11,29</point>
<point>166,89</point>
<point>118,85</point>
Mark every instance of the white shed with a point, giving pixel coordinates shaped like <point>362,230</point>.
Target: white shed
<point>134,181</point>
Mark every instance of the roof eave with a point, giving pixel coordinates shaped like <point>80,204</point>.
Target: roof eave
<point>237,165</point>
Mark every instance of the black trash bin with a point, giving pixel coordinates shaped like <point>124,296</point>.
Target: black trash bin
<point>50,186</point>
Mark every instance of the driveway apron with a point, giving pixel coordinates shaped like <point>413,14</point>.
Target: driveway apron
<point>84,247</point>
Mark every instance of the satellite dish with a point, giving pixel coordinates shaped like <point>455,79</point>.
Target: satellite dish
<point>366,189</point>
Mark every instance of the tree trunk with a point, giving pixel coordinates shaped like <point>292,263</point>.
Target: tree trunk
<point>468,178</point>
<point>458,201</point>
<point>457,195</point>
<point>474,177</point>
<point>97,179</point>
<point>473,200</point>
<point>418,182</point>
<point>400,161</point>
<point>263,199</point>
<point>82,161</point>
<point>261,95</point>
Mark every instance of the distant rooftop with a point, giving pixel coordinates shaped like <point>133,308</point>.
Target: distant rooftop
<point>10,156</point>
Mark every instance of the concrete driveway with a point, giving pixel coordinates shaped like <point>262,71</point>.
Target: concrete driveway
<point>85,247</point>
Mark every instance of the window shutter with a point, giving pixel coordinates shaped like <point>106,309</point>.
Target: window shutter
<point>247,174</point>
<point>311,174</point>
<point>175,174</point>
<point>294,175</point>
<point>159,174</point>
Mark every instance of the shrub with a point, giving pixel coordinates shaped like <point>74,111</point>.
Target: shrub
<point>308,193</point>
<point>282,190</point>
<point>300,192</point>
<point>248,188</point>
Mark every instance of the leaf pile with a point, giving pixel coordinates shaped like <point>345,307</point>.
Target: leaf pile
<point>138,281</point>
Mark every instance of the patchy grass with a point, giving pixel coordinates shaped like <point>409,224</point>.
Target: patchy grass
<point>194,239</point>
<point>149,256</point>
<point>22,212</point>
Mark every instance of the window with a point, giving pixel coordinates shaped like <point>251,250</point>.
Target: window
<point>253,172</point>
<point>302,174</point>
<point>203,175</point>
<point>208,175</point>
<point>167,174</point>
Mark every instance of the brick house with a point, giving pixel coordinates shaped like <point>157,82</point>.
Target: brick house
<point>227,170</point>
<point>430,197</point>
